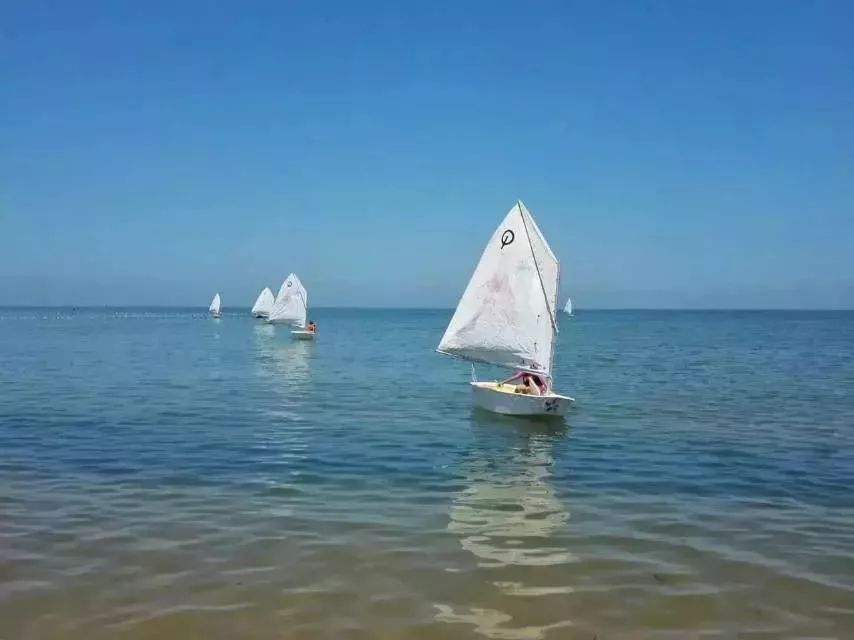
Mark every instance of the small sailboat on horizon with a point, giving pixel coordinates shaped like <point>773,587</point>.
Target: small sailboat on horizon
<point>568,307</point>
<point>291,308</point>
<point>216,306</point>
<point>506,317</point>
<point>263,304</point>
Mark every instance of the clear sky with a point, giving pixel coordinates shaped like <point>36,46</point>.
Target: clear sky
<point>675,154</point>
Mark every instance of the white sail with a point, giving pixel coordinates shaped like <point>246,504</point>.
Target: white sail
<point>506,316</point>
<point>264,304</point>
<point>216,304</point>
<point>291,304</point>
<point>568,306</point>
<point>283,290</point>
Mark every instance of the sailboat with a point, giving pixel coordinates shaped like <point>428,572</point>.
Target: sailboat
<point>216,306</point>
<point>568,307</point>
<point>264,304</point>
<point>291,307</point>
<point>506,317</point>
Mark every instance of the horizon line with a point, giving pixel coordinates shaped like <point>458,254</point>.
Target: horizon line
<point>417,308</point>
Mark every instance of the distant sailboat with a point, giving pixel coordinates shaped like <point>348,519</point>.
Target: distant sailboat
<point>216,306</point>
<point>291,307</point>
<point>568,307</point>
<point>264,304</point>
<point>506,317</point>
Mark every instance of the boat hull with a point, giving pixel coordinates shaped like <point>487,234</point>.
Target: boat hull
<point>302,335</point>
<point>216,314</point>
<point>498,398</point>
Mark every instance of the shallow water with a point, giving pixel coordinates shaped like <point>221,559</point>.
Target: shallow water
<point>167,475</point>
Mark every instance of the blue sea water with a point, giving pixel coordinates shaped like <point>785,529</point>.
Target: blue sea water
<point>164,474</point>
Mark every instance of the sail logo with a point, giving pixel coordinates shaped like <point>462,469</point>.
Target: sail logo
<point>507,237</point>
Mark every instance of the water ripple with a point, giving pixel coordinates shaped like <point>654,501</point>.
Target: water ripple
<point>162,475</point>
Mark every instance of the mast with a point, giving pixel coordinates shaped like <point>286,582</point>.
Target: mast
<point>552,312</point>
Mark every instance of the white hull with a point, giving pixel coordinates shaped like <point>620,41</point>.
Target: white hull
<point>216,314</point>
<point>302,335</point>
<point>498,398</point>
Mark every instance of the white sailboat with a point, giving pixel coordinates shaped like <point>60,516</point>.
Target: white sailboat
<point>568,307</point>
<point>264,304</point>
<point>216,306</point>
<point>291,307</point>
<point>506,317</point>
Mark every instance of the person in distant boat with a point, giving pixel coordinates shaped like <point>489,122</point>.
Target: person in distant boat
<point>311,326</point>
<point>531,384</point>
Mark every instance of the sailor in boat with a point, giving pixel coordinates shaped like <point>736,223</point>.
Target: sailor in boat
<point>312,327</point>
<point>532,384</point>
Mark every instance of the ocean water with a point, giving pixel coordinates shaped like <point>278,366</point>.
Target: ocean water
<point>166,475</point>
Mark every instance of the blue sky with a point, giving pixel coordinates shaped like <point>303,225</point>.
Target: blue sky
<point>675,154</point>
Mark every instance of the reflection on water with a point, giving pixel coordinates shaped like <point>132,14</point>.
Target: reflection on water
<point>264,330</point>
<point>287,361</point>
<point>505,508</point>
<point>509,518</point>
<point>286,365</point>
